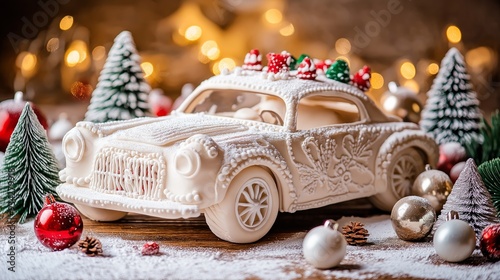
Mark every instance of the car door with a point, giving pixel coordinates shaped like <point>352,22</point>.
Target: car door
<point>333,152</point>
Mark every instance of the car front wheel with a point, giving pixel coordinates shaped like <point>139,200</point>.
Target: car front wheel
<point>249,209</point>
<point>402,172</point>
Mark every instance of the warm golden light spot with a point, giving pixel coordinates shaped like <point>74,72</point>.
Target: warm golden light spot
<point>213,53</point>
<point>66,23</point>
<point>433,69</point>
<point>76,53</point>
<point>415,107</point>
<point>193,33</point>
<point>53,44</point>
<point>273,16</point>
<point>377,80</point>
<point>343,46</point>
<point>226,63</point>
<point>215,68</point>
<point>408,70</point>
<point>28,62</point>
<point>72,58</point>
<point>147,68</point>
<point>287,30</point>
<point>207,46</point>
<point>479,57</point>
<point>453,34</point>
<point>412,84</point>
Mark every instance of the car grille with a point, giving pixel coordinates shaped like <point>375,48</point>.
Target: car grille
<point>130,173</point>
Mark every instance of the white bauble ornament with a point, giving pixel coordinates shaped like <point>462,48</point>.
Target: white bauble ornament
<point>324,246</point>
<point>454,240</point>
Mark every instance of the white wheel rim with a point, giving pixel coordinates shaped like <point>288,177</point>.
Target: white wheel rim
<point>404,174</point>
<point>253,205</point>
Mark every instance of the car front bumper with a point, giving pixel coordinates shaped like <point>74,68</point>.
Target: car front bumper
<point>160,208</point>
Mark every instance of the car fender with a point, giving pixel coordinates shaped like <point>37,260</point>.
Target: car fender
<point>261,154</point>
<point>398,142</point>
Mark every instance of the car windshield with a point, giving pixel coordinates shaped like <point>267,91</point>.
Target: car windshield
<point>240,104</point>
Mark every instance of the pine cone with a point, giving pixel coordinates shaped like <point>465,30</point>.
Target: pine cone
<point>90,246</point>
<point>355,233</point>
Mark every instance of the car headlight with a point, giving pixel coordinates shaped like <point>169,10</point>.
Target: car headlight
<point>187,162</point>
<point>73,145</point>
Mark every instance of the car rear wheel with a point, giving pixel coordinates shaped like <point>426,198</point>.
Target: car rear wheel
<point>402,172</point>
<point>249,209</point>
<point>99,214</point>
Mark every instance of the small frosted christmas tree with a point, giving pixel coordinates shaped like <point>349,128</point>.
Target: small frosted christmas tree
<point>490,172</point>
<point>339,71</point>
<point>471,200</point>
<point>30,170</point>
<point>451,113</point>
<point>121,92</point>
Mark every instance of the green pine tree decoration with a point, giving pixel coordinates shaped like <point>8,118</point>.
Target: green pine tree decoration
<point>488,146</point>
<point>339,71</point>
<point>122,91</point>
<point>451,113</point>
<point>30,170</point>
<point>490,173</point>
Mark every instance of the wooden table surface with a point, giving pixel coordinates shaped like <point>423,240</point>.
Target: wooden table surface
<point>195,231</point>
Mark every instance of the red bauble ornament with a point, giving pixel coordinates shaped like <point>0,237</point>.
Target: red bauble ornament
<point>362,78</point>
<point>10,111</point>
<point>450,154</point>
<point>307,69</point>
<point>456,170</point>
<point>278,62</point>
<point>490,242</point>
<point>58,225</point>
<point>150,248</point>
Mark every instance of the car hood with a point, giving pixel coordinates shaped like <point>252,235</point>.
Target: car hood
<point>167,130</point>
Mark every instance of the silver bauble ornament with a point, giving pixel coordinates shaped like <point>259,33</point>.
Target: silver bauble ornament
<point>433,185</point>
<point>454,240</point>
<point>412,218</point>
<point>324,246</point>
<point>402,102</point>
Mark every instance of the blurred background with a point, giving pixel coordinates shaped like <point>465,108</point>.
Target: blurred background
<point>53,50</point>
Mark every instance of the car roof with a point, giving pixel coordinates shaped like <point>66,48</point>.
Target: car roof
<point>288,87</point>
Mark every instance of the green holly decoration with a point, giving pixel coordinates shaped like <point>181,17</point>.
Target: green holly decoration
<point>451,113</point>
<point>122,91</point>
<point>488,145</point>
<point>490,173</point>
<point>339,71</point>
<point>30,170</point>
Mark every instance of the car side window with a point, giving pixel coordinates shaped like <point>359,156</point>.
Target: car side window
<point>240,105</point>
<point>319,110</point>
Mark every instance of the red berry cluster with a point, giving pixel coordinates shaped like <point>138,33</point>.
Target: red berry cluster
<point>362,78</point>
<point>150,248</point>
<point>278,62</point>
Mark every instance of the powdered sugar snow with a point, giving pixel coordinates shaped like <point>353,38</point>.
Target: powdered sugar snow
<point>384,257</point>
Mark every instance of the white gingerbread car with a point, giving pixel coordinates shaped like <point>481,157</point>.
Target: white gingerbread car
<point>242,147</point>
